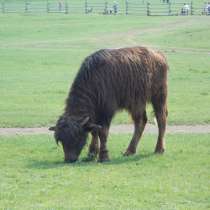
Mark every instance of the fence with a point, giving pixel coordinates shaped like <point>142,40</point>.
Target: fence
<point>86,7</point>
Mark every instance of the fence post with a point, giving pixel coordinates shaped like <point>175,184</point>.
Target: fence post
<point>105,7</point>
<point>86,7</point>
<point>148,9</point>
<point>126,7</point>
<point>47,6</point>
<point>66,7</point>
<point>3,7</point>
<point>169,8</point>
<point>60,5</point>
<point>191,8</point>
<point>26,5</point>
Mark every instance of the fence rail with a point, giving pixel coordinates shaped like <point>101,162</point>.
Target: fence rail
<point>129,8</point>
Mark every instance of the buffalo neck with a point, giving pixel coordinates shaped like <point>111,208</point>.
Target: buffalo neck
<point>80,101</point>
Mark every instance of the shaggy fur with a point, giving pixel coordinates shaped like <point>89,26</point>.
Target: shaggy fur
<point>110,80</point>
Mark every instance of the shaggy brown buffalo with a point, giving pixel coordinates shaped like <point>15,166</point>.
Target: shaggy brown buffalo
<point>110,80</point>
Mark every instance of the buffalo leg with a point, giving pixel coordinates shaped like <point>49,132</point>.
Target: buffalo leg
<point>139,125</point>
<point>103,152</point>
<point>160,108</point>
<point>94,147</point>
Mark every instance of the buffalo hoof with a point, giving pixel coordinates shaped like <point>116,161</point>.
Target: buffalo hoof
<point>90,157</point>
<point>103,156</point>
<point>129,153</point>
<point>159,150</point>
<point>103,160</point>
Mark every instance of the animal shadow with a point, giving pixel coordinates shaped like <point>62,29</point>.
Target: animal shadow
<point>123,159</point>
<point>47,164</point>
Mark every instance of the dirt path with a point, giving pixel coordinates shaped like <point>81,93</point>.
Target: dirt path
<point>115,129</point>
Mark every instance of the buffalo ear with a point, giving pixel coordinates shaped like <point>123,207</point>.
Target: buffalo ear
<point>52,128</point>
<point>93,127</point>
<point>84,121</point>
<point>89,126</point>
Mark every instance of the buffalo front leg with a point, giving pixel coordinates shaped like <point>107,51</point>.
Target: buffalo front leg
<point>103,152</point>
<point>139,125</point>
<point>93,148</point>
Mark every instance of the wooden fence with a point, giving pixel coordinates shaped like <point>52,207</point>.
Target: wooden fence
<point>144,8</point>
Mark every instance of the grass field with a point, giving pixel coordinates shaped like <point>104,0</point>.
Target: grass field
<point>35,177</point>
<point>40,55</point>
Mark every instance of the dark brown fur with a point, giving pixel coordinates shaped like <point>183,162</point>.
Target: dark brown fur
<point>110,80</point>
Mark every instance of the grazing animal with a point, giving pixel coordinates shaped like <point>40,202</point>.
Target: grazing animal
<point>110,80</point>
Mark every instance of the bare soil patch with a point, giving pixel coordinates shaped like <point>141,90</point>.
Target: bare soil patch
<point>115,129</point>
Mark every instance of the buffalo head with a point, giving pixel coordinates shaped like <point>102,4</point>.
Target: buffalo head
<point>72,133</point>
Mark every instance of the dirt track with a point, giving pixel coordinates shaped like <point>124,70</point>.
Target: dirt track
<point>116,129</point>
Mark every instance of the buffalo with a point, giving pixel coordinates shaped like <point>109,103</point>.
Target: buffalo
<point>110,80</point>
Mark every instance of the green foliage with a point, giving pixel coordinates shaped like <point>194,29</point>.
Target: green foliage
<point>33,175</point>
<point>40,55</point>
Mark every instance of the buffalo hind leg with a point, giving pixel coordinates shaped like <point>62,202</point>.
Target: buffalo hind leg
<point>93,148</point>
<point>160,108</point>
<point>103,152</point>
<point>139,125</point>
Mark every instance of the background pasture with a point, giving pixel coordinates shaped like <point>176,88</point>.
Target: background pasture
<point>40,55</point>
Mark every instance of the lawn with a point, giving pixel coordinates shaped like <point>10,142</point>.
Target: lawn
<point>39,58</point>
<point>40,55</point>
<point>33,175</point>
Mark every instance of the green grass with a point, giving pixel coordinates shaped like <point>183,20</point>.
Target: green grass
<point>40,55</point>
<point>33,175</point>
